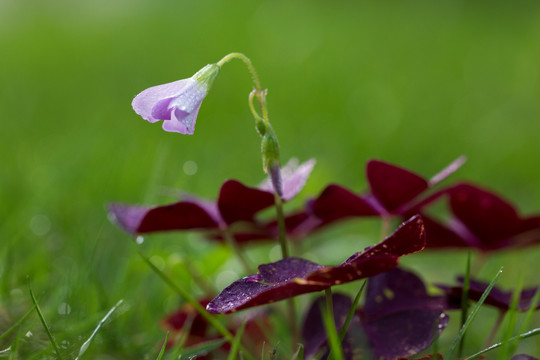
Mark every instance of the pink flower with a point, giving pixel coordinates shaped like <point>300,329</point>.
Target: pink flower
<point>176,103</point>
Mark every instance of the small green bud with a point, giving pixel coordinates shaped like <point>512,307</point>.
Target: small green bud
<point>270,151</point>
<point>270,155</point>
<point>260,126</point>
<point>207,75</point>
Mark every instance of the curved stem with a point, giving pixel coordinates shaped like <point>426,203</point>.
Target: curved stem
<point>259,92</point>
<point>256,115</point>
<point>249,64</point>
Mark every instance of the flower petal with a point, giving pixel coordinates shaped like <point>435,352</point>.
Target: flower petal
<point>144,103</point>
<point>293,178</point>
<point>181,121</point>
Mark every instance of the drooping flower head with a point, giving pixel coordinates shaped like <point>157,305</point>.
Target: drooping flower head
<point>176,103</point>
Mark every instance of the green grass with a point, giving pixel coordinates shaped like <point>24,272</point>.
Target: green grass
<point>417,84</point>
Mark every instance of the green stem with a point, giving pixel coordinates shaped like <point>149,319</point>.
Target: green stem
<point>231,241</point>
<point>259,92</point>
<point>336,351</point>
<point>465,300</point>
<point>249,64</point>
<point>44,323</point>
<point>282,236</point>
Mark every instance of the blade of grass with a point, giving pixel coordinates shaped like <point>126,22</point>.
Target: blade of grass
<point>351,313</point>
<point>163,347</point>
<point>507,348</point>
<point>471,316</point>
<point>530,311</point>
<point>193,302</point>
<point>330,327</point>
<point>465,300</point>
<point>19,322</point>
<point>236,343</point>
<point>202,348</point>
<point>520,337</point>
<point>299,354</point>
<point>87,343</point>
<point>44,323</point>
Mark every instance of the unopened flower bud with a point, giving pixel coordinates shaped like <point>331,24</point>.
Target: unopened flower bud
<point>270,154</point>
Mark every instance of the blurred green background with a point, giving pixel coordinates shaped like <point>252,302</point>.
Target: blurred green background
<point>414,83</point>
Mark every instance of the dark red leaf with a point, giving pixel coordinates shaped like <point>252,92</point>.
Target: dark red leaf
<point>293,276</point>
<point>182,215</point>
<point>393,186</point>
<point>238,202</point>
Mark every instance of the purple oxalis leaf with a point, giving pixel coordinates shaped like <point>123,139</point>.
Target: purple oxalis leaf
<point>523,357</point>
<point>182,215</point>
<point>394,191</point>
<point>483,220</point>
<point>236,202</point>
<point>314,333</point>
<point>293,276</point>
<point>399,317</point>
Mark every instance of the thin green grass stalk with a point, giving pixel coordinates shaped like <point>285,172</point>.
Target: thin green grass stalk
<point>200,280</point>
<point>44,323</point>
<point>530,311</point>
<point>495,328</point>
<point>520,337</point>
<point>435,347</point>
<point>471,317</point>
<point>202,348</point>
<point>87,343</point>
<point>465,299</point>
<point>163,347</point>
<point>336,352</point>
<point>19,322</point>
<point>13,354</point>
<point>231,241</point>
<point>506,351</point>
<point>299,354</point>
<point>186,329</point>
<point>193,302</point>
<point>351,313</point>
<point>237,339</point>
